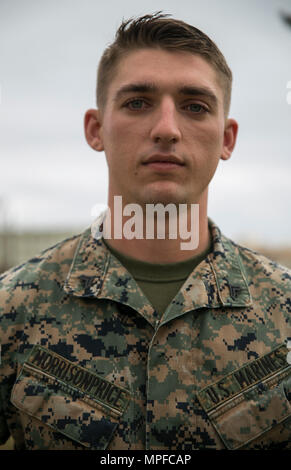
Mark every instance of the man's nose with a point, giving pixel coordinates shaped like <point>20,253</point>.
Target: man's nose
<point>165,128</point>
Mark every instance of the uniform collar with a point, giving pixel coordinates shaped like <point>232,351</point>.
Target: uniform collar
<point>218,281</point>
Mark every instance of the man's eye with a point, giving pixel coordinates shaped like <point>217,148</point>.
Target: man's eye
<point>136,104</point>
<point>196,108</point>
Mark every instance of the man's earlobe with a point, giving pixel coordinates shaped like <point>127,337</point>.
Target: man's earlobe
<point>92,128</point>
<point>230,135</point>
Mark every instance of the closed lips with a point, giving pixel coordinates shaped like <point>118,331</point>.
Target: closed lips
<point>163,159</point>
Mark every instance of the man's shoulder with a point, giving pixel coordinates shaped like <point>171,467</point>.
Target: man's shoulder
<point>53,261</point>
<point>261,267</point>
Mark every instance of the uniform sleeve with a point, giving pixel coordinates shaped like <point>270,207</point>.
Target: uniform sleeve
<point>9,331</point>
<point>4,431</point>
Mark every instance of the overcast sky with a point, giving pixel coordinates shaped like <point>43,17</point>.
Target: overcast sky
<point>49,51</point>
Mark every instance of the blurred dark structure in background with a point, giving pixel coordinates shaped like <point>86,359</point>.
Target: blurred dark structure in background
<point>286,17</point>
<point>18,247</point>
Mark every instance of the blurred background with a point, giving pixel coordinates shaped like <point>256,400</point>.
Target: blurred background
<point>50,179</point>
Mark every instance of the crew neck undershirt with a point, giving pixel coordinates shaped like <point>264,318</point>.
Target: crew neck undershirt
<point>160,282</point>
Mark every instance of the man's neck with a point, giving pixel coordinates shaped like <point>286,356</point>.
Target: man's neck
<point>165,250</point>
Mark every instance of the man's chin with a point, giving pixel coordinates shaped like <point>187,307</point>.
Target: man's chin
<point>162,197</point>
<point>164,200</point>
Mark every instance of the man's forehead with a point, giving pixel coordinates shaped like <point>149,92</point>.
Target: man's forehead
<point>157,68</point>
<point>157,59</point>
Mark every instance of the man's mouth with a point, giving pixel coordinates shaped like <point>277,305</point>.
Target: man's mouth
<point>163,162</point>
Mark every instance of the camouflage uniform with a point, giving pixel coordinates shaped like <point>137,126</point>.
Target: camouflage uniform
<point>87,364</point>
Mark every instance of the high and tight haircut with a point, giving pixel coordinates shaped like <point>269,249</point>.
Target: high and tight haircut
<point>160,32</point>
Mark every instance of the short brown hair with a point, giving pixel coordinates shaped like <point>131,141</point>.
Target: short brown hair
<point>159,31</point>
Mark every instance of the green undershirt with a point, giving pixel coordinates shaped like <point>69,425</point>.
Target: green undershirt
<point>160,282</point>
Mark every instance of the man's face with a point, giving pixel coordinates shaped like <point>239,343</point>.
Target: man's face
<point>163,128</point>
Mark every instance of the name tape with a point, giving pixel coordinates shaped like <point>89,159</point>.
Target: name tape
<point>243,378</point>
<point>80,378</point>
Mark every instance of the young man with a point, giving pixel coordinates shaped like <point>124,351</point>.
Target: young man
<point>136,343</point>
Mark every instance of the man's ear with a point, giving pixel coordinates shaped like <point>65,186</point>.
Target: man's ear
<point>229,139</point>
<point>93,129</point>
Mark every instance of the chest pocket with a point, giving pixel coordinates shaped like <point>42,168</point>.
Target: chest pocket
<point>257,418</point>
<point>78,412</point>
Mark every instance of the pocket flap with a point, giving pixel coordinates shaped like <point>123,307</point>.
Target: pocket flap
<point>64,407</point>
<point>241,416</point>
<point>253,413</point>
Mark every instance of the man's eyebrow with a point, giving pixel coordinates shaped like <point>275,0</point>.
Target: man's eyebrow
<point>135,88</point>
<point>201,91</point>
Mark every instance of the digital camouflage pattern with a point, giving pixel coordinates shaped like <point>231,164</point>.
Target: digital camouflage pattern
<point>86,363</point>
